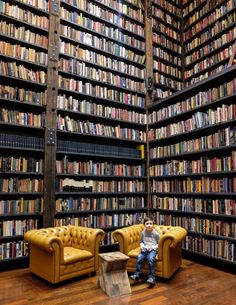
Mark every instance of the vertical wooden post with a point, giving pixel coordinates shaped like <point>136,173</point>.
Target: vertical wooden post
<point>149,83</point>
<point>51,115</point>
<point>231,60</point>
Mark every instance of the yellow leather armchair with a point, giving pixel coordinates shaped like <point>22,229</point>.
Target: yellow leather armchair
<point>61,253</point>
<point>169,255</point>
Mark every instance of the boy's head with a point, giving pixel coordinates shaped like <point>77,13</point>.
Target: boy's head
<point>148,223</point>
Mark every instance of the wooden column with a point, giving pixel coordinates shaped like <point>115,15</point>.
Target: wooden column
<point>51,115</point>
<point>149,83</point>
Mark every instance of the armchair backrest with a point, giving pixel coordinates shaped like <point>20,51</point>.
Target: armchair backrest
<point>63,233</point>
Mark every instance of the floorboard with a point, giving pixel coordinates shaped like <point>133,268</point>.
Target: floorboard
<point>193,284</point>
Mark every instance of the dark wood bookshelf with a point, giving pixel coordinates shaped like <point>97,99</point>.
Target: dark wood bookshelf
<point>51,148</point>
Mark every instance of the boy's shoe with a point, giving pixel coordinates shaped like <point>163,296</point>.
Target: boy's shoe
<point>151,281</point>
<point>134,277</point>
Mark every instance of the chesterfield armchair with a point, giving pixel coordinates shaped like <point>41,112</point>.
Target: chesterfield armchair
<point>61,253</point>
<point>169,255</point>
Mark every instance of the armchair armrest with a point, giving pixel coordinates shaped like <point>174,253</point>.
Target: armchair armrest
<point>40,239</point>
<point>173,237</point>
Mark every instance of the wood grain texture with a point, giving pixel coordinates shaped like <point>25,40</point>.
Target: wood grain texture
<point>193,284</point>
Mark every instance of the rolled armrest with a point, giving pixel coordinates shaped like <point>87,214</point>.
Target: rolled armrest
<point>40,239</point>
<point>175,237</point>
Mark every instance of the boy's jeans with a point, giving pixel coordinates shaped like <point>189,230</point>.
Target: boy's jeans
<point>150,257</point>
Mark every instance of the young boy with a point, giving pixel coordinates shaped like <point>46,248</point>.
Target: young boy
<point>148,250</point>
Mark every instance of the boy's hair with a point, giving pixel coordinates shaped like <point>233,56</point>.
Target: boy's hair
<point>148,219</point>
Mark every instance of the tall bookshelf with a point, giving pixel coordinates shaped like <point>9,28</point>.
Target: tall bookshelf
<point>101,119</point>
<point>192,165</point>
<point>86,101</point>
<point>23,94</point>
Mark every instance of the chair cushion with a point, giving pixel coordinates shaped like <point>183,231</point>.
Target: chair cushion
<point>72,255</point>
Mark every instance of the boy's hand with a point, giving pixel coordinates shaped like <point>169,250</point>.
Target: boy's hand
<point>143,249</point>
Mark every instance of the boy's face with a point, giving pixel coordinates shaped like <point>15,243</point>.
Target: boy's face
<point>149,225</point>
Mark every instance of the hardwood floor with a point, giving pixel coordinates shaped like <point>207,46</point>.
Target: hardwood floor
<point>193,284</point>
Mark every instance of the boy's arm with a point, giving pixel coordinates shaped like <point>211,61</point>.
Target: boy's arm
<point>142,246</point>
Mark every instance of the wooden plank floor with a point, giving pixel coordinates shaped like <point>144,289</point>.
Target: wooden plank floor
<point>193,284</point>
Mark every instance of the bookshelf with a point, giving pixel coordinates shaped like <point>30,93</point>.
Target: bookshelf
<point>113,102</point>
<point>209,36</point>
<point>101,116</point>
<point>192,165</point>
<point>167,48</point>
<point>23,95</point>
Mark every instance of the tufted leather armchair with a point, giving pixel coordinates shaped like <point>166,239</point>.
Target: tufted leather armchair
<point>169,255</point>
<point>61,253</point>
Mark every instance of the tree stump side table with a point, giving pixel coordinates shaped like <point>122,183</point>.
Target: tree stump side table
<point>113,277</point>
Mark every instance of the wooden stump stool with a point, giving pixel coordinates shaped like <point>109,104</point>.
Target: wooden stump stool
<point>113,277</point>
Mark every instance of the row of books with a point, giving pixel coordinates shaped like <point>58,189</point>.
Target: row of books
<point>199,166</point>
<point>209,33</point>
<point>200,99</point>
<point>203,185</point>
<point>101,203</point>
<point>165,68</point>
<point>95,109</point>
<point>213,206</point>
<point>199,225</point>
<point>87,127</point>
<point>23,34</point>
<point>207,63</point>
<point>110,17</point>
<point>43,5</point>
<point>112,30</point>
<point>22,118</point>
<point>162,41</point>
<point>65,166</point>
<point>211,47</point>
<point>24,15</point>
<point>225,10</point>
<point>17,227</point>
<point>97,149</point>
<point>159,52</point>
<point>83,69</point>
<point>161,28</point>
<point>190,6</point>
<point>206,73</point>
<point>168,6</point>
<point>160,93</point>
<point>23,53</point>
<point>102,221</point>
<point>102,44</point>
<point>13,249</point>
<point>222,138</point>
<point>157,12</point>
<point>108,240</point>
<point>132,11</point>
<point>123,185</point>
<point>100,91</point>
<point>102,60</point>
<point>21,185</point>
<point>21,206</point>
<point>167,81</point>
<point>15,140</point>
<point>222,249</point>
<point>198,120</point>
<point>21,164</point>
<point>20,71</point>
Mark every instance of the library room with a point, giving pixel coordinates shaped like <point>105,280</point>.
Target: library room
<point>117,152</point>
